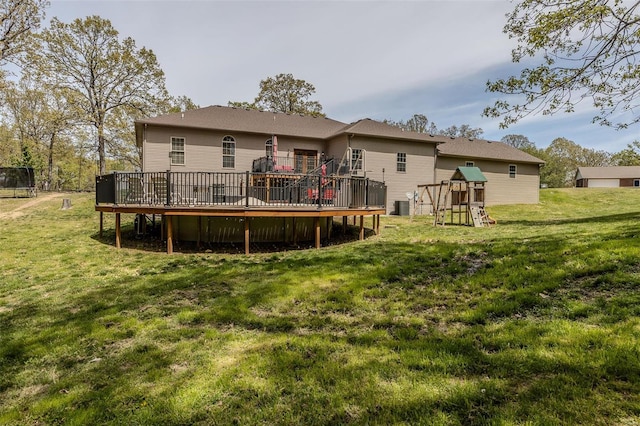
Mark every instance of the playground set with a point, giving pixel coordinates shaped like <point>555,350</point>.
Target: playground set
<point>459,200</point>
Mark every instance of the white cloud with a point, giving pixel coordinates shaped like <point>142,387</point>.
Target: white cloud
<point>377,59</point>
<point>217,51</point>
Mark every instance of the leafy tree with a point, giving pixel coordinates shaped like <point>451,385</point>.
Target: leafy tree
<point>630,156</point>
<point>9,148</point>
<point>243,105</point>
<point>40,116</point>
<point>464,131</point>
<point>588,49</point>
<point>420,124</point>
<point>563,157</point>
<point>120,136</point>
<point>17,19</point>
<point>98,74</point>
<point>182,103</point>
<point>595,158</point>
<point>519,141</point>
<point>554,174</point>
<point>561,162</point>
<point>417,123</point>
<point>284,93</point>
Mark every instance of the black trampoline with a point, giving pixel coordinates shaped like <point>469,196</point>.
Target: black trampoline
<point>17,182</point>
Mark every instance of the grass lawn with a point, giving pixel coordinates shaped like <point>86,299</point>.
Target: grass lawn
<point>535,321</point>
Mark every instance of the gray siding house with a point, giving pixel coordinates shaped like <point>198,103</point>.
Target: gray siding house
<point>227,139</point>
<point>513,176</point>
<point>608,177</point>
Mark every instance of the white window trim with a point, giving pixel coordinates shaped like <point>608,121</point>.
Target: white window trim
<point>515,171</point>
<point>398,162</point>
<point>172,161</point>
<point>469,164</point>
<point>268,147</point>
<point>357,164</point>
<point>229,139</point>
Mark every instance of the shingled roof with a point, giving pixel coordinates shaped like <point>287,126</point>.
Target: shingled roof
<point>248,121</point>
<point>232,119</point>
<point>369,127</point>
<point>479,148</point>
<point>254,121</point>
<point>612,172</point>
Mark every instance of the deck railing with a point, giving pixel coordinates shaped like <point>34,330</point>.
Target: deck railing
<point>246,190</point>
<point>288,165</point>
<point>273,164</point>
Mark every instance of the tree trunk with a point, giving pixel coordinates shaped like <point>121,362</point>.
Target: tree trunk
<point>50,162</point>
<point>101,153</point>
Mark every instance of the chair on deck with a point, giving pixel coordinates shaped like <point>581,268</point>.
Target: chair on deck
<point>160,192</point>
<point>137,193</point>
<point>312,195</point>
<point>327,195</point>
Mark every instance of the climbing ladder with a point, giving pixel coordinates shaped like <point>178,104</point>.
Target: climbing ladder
<point>441,203</point>
<point>480,216</point>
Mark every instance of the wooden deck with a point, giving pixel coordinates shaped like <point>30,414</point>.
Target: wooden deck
<point>241,212</point>
<point>239,195</point>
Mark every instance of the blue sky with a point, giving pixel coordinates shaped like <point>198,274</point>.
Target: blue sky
<point>367,59</point>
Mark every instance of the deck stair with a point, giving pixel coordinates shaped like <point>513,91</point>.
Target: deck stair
<point>348,165</point>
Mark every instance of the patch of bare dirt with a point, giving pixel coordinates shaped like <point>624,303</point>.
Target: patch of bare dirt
<point>19,211</point>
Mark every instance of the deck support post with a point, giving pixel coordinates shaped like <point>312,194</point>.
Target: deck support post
<point>169,235</point>
<point>199,231</point>
<point>118,236</point>
<point>246,235</point>
<point>171,228</point>
<point>293,231</point>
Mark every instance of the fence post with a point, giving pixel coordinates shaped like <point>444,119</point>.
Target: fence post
<point>320,194</point>
<point>115,188</point>
<point>168,199</point>
<point>384,195</point>
<point>247,189</point>
<point>366,192</point>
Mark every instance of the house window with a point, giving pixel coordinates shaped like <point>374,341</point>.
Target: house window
<point>177,151</point>
<point>512,170</point>
<point>356,159</point>
<point>268,148</point>
<point>636,183</point>
<point>401,161</point>
<point>228,152</point>
<point>469,164</point>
